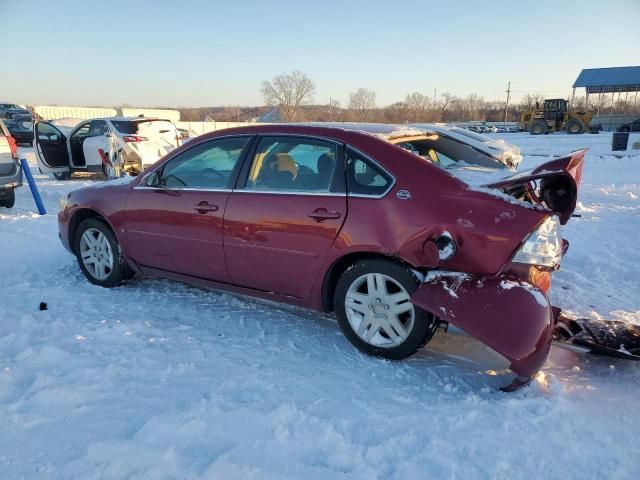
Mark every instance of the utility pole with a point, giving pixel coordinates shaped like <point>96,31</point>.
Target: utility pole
<point>330,109</point>
<point>506,106</point>
<point>434,96</point>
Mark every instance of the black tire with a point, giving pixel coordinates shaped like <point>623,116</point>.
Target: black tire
<point>538,127</point>
<point>119,272</point>
<point>574,127</point>
<point>62,175</point>
<point>424,323</point>
<point>9,198</point>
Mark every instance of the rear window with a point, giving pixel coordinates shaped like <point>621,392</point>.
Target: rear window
<point>133,127</point>
<point>448,153</point>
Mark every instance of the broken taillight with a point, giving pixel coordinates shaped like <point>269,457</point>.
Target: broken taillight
<point>544,245</point>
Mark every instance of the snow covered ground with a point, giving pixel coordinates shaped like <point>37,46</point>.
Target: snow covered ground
<point>160,380</point>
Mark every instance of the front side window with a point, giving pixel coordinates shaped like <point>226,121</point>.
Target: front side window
<point>207,166</point>
<point>292,164</point>
<point>364,177</point>
<point>47,132</point>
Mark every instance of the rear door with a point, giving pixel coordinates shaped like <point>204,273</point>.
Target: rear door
<point>176,225</point>
<point>51,148</point>
<point>97,146</point>
<point>285,213</point>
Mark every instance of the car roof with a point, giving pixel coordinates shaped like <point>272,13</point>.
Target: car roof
<point>382,130</point>
<point>132,119</point>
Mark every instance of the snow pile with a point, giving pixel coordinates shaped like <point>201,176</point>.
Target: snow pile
<point>160,380</point>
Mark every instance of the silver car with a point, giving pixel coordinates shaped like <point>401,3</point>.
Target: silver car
<point>10,170</point>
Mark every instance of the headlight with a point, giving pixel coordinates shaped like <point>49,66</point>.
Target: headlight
<point>62,202</point>
<point>544,246</point>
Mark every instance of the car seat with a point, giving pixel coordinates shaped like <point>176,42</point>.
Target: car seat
<point>278,171</point>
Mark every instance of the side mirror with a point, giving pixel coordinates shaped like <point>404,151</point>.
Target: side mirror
<point>153,180</point>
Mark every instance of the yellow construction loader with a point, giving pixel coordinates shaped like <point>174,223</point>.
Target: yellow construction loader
<point>554,117</point>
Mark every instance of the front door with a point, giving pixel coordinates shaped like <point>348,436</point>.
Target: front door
<point>285,214</point>
<point>175,224</point>
<point>51,148</point>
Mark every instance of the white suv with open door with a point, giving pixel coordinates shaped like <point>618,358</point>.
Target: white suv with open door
<point>103,145</point>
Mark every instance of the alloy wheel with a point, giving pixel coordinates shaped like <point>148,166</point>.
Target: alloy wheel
<point>379,310</point>
<point>96,253</point>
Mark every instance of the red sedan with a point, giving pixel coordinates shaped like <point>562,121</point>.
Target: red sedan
<point>368,221</point>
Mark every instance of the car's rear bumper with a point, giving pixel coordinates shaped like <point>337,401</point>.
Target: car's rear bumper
<point>509,315</point>
<point>10,175</point>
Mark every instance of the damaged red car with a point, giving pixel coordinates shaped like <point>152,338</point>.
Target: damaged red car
<point>380,224</point>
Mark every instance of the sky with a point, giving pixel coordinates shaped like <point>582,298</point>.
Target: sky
<point>210,53</point>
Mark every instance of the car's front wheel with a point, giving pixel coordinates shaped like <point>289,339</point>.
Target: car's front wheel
<point>374,310</point>
<point>98,254</point>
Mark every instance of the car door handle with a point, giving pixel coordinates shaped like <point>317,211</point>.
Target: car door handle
<point>322,214</point>
<point>205,207</point>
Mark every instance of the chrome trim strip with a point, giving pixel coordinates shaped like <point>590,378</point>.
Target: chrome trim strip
<point>139,187</point>
<point>281,192</point>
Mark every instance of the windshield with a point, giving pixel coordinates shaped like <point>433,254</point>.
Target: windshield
<point>10,105</point>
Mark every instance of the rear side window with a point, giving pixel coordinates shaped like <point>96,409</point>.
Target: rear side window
<point>128,128</point>
<point>364,177</point>
<point>292,164</point>
<point>97,128</point>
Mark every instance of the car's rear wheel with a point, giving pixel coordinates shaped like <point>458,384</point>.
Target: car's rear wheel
<point>62,175</point>
<point>98,254</point>
<point>8,198</point>
<point>374,310</point>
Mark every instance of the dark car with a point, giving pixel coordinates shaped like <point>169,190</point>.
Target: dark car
<point>346,220</point>
<point>21,131</point>
<point>10,110</point>
<point>630,127</point>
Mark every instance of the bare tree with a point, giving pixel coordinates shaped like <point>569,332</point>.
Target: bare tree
<point>418,104</point>
<point>531,101</point>
<point>395,113</point>
<point>446,100</point>
<point>362,101</point>
<point>288,91</point>
<point>334,108</point>
<point>471,107</point>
